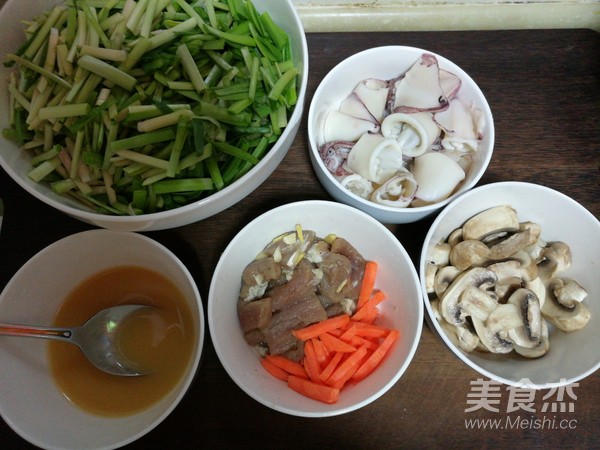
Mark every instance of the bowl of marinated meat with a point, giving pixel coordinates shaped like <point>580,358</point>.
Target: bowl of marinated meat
<point>399,132</point>
<point>314,309</point>
<point>507,273</point>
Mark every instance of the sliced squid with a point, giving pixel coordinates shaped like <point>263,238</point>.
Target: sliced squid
<point>420,89</point>
<point>373,93</point>
<point>462,125</point>
<point>450,83</point>
<point>342,127</point>
<point>437,176</point>
<point>415,132</point>
<point>358,185</point>
<point>398,191</point>
<point>375,158</point>
<point>353,106</point>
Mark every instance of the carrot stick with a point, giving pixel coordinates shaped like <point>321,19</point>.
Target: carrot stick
<point>346,369</point>
<point>370,316</point>
<point>376,357</point>
<point>369,305</point>
<point>319,328</point>
<point>320,392</point>
<point>336,345</point>
<point>370,330</point>
<point>289,366</point>
<point>359,341</point>
<point>311,363</point>
<point>321,351</point>
<point>368,283</point>
<point>274,370</point>
<point>330,367</point>
<point>348,334</point>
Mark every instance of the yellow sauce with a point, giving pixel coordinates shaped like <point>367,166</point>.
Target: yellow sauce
<point>161,341</point>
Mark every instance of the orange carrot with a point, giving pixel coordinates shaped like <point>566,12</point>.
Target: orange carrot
<point>311,363</point>
<point>319,328</point>
<point>346,369</point>
<point>359,341</point>
<point>376,357</point>
<point>369,305</point>
<point>368,282</point>
<point>330,367</point>
<point>348,333</point>
<point>336,345</point>
<point>370,330</point>
<point>274,370</point>
<point>313,390</point>
<point>321,351</point>
<point>289,366</point>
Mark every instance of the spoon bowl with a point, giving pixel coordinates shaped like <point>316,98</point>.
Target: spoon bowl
<point>98,338</point>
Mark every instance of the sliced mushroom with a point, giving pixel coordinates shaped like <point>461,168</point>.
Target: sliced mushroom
<point>520,265</point>
<point>570,293</point>
<point>475,302</point>
<point>469,253</point>
<point>563,317</point>
<point>490,221</point>
<point>430,272</point>
<point>505,287</point>
<point>449,306</point>
<point>539,288</point>
<point>511,245</point>
<point>528,305</point>
<point>554,258</point>
<point>539,350</point>
<point>461,336</point>
<point>455,237</point>
<point>493,332</point>
<point>443,277</point>
<point>440,254</point>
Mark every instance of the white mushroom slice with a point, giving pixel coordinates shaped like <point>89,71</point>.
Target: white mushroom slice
<point>455,237</point>
<point>520,265</point>
<point>353,106</point>
<point>443,278</point>
<point>563,317</point>
<point>419,89</point>
<point>569,292</point>
<point>554,258</point>
<point>469,253</point>
<point>539,289</point>
<point>462,124</point>
<point>493,332</point>
<point>437,176</point>
<point>475,302</point>
<point>373,93</point>
<point>449,306</point>
<point>528,306</point>
<point>430,271</point>
<point>375,158</point>
<point>398,191</point>
<point>539,350</point>
<point>342,127</point>
<point>493,220</point>
<point>358,185</point>
<point>440,254</point>
<point>510,245</point>
<point>414,132</point>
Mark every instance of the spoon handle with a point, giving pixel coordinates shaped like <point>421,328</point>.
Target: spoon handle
<point>30,331</point>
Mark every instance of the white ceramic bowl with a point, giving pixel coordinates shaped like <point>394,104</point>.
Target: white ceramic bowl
<point>386,63</point>
<point>397,277</point>
<point>30,401</point>
<point>16,163</point>
<point>572,356</point>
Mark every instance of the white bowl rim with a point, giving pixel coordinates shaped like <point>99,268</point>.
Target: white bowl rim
<point>338,411</point>
<point>430,317</point>
<point>90,216</point>
<point>194,363</point>
<point>390,209</point>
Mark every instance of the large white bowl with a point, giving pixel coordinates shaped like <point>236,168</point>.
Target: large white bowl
<point>30,401</point>
<point>397,277</point>
<point>16,163</point>
<point>386,63</point>
<point>572,356</point>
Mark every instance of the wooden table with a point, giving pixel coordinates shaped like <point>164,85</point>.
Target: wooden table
<point>543,87</point>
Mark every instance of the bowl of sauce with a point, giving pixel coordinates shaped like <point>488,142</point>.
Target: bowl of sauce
<point>72,404</point>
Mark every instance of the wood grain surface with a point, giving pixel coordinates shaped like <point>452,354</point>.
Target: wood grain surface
<point>543,87</point>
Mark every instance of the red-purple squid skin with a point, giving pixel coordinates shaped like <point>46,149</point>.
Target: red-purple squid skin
<point>334,154</point>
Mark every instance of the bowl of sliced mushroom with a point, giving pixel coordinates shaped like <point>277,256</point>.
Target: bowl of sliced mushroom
<point>509,277</point>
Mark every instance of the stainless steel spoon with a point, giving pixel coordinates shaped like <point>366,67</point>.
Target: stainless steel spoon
<point>97,338</point>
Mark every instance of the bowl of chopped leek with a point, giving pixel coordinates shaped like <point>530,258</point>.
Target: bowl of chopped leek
<point>148,115</point>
